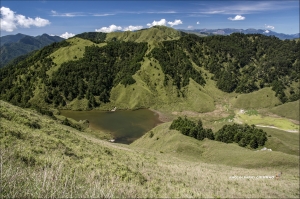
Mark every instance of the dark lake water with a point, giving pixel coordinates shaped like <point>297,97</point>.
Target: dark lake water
<point>125,126</point>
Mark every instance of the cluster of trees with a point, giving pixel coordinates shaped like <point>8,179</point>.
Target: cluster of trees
<point>176,64</point>
<point>192,129</point>
<point>96,73</point>
<point>244,135</point>
<point>96,37</point>
<point>240,63</point>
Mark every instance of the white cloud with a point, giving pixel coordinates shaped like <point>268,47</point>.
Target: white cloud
<point>132,28</point>
<point>213,12</point>
<point>266,31</point>
<point>111,28</point>
<point>248,7</point>
<point>67,35</point>
<point>190,27</point>
<point>162,22</point>
<point>237,17</point>
<point>102,15</point>
<point>175,23</point>
<point>74,14</point>
<point>198,22</point>
<point>10,21</point>
<point>269,27</point>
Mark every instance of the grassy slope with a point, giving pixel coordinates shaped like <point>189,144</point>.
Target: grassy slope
<point>172,141</point>
<point>263,98</point>
<point>281,123</point>
<point>149,91</point>
<point>288,110</point>
<point>157,34</point>
<point>282,141</point>
<point>65,54</point>
<point>52,160</point>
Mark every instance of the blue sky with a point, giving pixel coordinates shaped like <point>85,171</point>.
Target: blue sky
<point>65,18</point>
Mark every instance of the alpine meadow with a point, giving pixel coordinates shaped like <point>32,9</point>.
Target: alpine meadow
<point>228,106</point>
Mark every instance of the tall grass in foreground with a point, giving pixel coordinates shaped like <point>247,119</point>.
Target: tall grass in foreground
<point>56,180</point>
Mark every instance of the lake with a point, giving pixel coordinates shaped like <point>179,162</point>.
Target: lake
<point>126,126</point>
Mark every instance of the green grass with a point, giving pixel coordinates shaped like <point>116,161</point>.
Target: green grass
<point>263,98</point>
<point>155,34</point>
<point>70,53</point>
<point>251,112</point>
<point>42,158</point>
<point>288,110</point>
<point>281,123</point>
<point>150,91</point>
<point>171,141</point>
<point>282,141</point>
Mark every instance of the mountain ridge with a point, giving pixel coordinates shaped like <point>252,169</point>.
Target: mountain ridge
<point>228,31</point>
<point>81,74</point>
<point>13,46</point>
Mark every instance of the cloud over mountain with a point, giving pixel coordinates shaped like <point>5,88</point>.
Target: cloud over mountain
<point>111,28</point>
<point>269,27</point>
<point>237,18</point>
<point>67,35</point>
<point>10,21</point>
<point>175,23</point>
<point>162,22</point>
<point>132,28</point>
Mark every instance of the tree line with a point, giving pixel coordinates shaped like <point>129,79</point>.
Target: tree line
<point>243,135</point>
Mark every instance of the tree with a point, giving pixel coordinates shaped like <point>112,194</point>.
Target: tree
<point>242,142</point>
<point>253,143</point>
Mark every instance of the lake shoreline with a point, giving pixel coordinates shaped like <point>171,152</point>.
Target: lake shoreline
<point>162,117</point>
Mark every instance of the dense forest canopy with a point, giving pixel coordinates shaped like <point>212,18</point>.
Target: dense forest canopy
<point>239,62</point>
<point>96,37</point>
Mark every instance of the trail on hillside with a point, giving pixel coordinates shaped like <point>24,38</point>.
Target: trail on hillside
<point>273,127</point>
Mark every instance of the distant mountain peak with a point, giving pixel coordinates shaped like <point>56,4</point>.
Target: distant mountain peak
<point>228,31</point>
<point>13,46</point>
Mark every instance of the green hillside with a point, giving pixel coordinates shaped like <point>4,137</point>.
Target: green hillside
<point>153,35</point>
<point>161,139</point>
<point>157,67</point>
<point>264,98</point>
<point>288,110</point>
<point>41,158</point>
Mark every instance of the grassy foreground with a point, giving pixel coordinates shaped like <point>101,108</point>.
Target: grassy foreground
<point>40,158</point>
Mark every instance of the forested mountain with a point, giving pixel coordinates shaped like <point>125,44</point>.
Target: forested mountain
<point>153,66</point>
<point>11,38</point>
<point>228,31</point>
<point>13,46</point>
